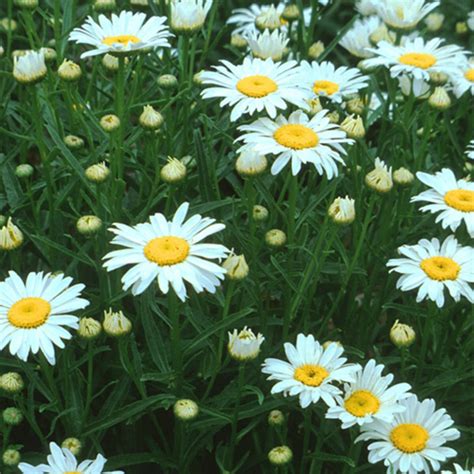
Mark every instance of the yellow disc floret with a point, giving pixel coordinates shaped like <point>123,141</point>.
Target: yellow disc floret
<point>295,136</point>
<point>311,374</point>
<point>409,438</point>
<point>325,87</point>
<point>460,199</point>
<point>469,75</point>
<point>167,250</point>
<point>440,268</point>
<point>420,60</point>
<point>256,86</point>
<point>362,403</point>
<point>122,39</point>
<point>29,313</point>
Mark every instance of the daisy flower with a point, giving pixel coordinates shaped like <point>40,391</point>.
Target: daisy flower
<point>370,397</point>
<point>311,371</point>
<point>431,267</point>
<point>414,441</point>
<point>367,7</point>
<point>123,34</point>
<point>298,139</point>
<point>244,345</point>
<point>246,19</point>
<point>357,39</point>
<point>34,313</point>
<point>462,79</point>
<point>170,252</point>
<point>453,199</point>
<point>29,68</point>
<point>61,460</point>
<point>323,79</point>
<point>404,14</point>
<point>254,86</point>
<point>470,150</point>
<point>188,16</point>
<point>417,58</point>
<point>268,45</point>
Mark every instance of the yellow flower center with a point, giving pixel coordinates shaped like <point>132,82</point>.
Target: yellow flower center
<point>73,472</point>
<point>29,313</point>
<point>409,438</point>
<point>361,403</point>
<point>325,87</point>
<point>296,136</point>
<point>469,75</point>
<point>256,86</point>
<point>122,39</point>
<point>311,374</point>
<point>460,199</point>
<point>440,268</point>
<point>421,60</point>
<point>166,250</point>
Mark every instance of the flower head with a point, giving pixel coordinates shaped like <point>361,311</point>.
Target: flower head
<point>404,14</point>
<point>188,16</point>
<point>11,237</point>
<point>29,68</point>
<point>244,345</point>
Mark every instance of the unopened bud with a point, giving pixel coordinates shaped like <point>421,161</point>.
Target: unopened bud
<point>73,444</point>
<point>402,335</point>
<point>236,267</point>
<point>89,225</point>
<point>150,118</point>
<point>69,71</point>
<point>275,238</point>
<point>440,99</point>
<point>280,455</point>
<point>24,171</point>
<point>110,123</point>
<point>403,177</point>
<point>89,328</point>
<point>259,213</point>
<point>173,172</point>
<point>186,410</point>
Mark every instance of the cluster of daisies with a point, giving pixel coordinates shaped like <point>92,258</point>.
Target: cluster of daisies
<point>407,434</point>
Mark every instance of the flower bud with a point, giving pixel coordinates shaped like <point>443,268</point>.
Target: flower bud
<point>7,25</point>
<point>185,410</point>
<point>342,211</point>
<point>11,237</point>
<point>355,105</point>
<point>110,62</point>
<point>116,324</point>
<point>11,457</point>
<point>197,79</point>
<point>24,171</point>
<point>402,335</point>
<point>97,173</point>
<point>238,41</point>
<point>244,345</point>
<point>276,418</point>
<point>314,106</point>
<point>269,19</point>
<point>259,213</point>
<point>29,68</point>
<point>333,116</point>
<point>3,220</point>
<point>110,123</point>
<point>382,34</point>
<point>434,21</point>
<point>11,382</point>
<point>380,178</point>
<point>104,5</point>
<point>461,28</point>
<point>236,267</point>
<point>167,81</point>
<point>69,71</point>
<point>440,99</point>
<point>73,142</point>
<point>73,444</point>
<point>403,177</point>
<point>187,18</point>
<point>89,328</point>
<point>173,172</point>
<point>275,238</point>
<point>12,416</point>
<point>250,163</point>
<point>438,78</point>
<point>326,344</point>
<point>315,50</point>
<point>50,54</point>
<point>291,13</point>
<point>280,455</point>
<point>354,127</point>
<point>150,118</point>
<point>89,225</point>
<point>27,4</point>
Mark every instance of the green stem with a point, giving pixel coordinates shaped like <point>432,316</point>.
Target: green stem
<point>235,417</point>
<point>173,309</point>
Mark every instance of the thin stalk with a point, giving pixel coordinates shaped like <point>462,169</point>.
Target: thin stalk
<point>235,417</point>
<point>173,309</point>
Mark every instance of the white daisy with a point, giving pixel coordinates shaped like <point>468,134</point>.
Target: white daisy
<point>369,398</point>
<point>29,68</point>
<point>268,45</point>
<point>453,199</point>
<point>33,313</point>
<point>311,371</point>
<point>459,470</point>
<point>246,18</point>
<point>404,14</point>
<point>123,34</point>
<point>357,39</point>
<point>414,441</point>
<point>463,79</point>
<point>470,150</point>
<point>432,267</point>
<point>298,139</point>
<point>367,7</point>
<point>62,461</point>
<point>170,252</point>
<point>189,15</point>
<point>417,58</point>
<point>254,86</point>
<point>323,79</point>
<point>244,345</point>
